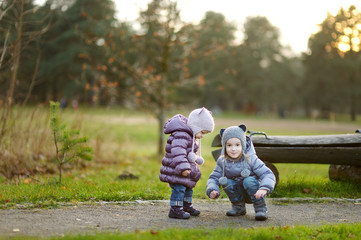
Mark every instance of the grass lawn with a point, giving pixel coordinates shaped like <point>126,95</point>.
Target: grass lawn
<point>326,232</point>
<point>126,142</point>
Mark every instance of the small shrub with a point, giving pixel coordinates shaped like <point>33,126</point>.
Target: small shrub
<point>69,145</point>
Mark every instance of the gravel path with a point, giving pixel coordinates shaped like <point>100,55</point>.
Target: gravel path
<point>153,215</point>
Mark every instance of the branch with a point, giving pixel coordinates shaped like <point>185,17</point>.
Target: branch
<point>30,11</point>
<point>4,51</point>
<point>32,84</point>
<point>4,12</point>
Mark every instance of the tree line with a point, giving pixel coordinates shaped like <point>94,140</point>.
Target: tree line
<point>78,50</point>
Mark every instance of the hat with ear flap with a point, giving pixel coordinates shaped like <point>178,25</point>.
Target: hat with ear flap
<point>226,134</point>
<point>233,132</point>
<point>199,120</point>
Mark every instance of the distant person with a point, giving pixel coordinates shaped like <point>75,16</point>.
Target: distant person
<point>62,103</point>
<point>242,175</point>
<point>180,165</point>
<point>75,104</point>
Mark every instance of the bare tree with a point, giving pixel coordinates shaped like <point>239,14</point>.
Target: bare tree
<point>158,70</point>
<point>10,53</point>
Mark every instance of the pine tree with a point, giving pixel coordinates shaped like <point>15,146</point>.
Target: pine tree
<point>68,144</point>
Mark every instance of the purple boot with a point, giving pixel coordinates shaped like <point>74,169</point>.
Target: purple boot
<point>188,207</point>
<point>177,212</point>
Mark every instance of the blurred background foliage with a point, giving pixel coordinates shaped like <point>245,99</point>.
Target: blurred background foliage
<point>78,53</point>
<point>78,50</point>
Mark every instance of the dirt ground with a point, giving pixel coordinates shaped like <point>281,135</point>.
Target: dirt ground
<point>153,215</point>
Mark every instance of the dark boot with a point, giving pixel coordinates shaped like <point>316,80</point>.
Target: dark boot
<point>177,212</point>
<point>260,209</point>
<point>188,207</point>
<point>238,209</point>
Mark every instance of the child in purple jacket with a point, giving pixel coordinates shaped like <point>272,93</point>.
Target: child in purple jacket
<point>180,164</point>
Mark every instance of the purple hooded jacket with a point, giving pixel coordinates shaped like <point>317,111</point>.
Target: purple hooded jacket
<point>175,161</point>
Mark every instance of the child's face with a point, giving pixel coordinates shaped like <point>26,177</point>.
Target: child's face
<point>234,148</point>
<point>201,134</point>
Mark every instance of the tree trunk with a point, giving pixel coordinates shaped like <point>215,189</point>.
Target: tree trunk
<point>163,98</point>
<point>163,89</point>
<point>161,134</point>
<point>32,83</point>
<point>60,172</point>
<point>17,51</point>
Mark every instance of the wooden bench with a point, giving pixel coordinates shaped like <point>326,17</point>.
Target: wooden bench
<point>340,149</point>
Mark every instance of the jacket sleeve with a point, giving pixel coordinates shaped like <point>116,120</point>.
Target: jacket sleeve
<point>213,183</point>
<point>250,147</point>
<point>268,179</point>
<point>179,153</point>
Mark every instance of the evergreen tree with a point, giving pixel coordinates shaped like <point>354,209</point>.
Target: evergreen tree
<point>69,146</point>
<point>209,60</point>
<point>76,62</point>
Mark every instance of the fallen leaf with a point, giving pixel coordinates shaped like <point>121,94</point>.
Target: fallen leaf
<point>28,180</point>
<point>153,232</point>
<point>306,190</point>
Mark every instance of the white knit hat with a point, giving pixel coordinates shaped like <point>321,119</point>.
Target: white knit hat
<point>199,120</point>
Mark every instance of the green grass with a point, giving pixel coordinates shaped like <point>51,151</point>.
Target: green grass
<point>126,141</point>
<point>101,184</point>
<point>311,180</point>
<point>334,232</point>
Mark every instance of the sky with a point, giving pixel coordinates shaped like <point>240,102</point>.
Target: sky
<point>296,19</point>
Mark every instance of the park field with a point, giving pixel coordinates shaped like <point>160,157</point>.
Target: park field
<point>126,164</point>
<point>126,168</point>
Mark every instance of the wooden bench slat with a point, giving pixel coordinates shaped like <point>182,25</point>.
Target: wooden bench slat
<point>316,140</point>
<point>320,155</point>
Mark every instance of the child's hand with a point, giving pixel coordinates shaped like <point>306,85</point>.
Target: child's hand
<point>213,194</point>
<point>260,193</point>
<point>186,173</point>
